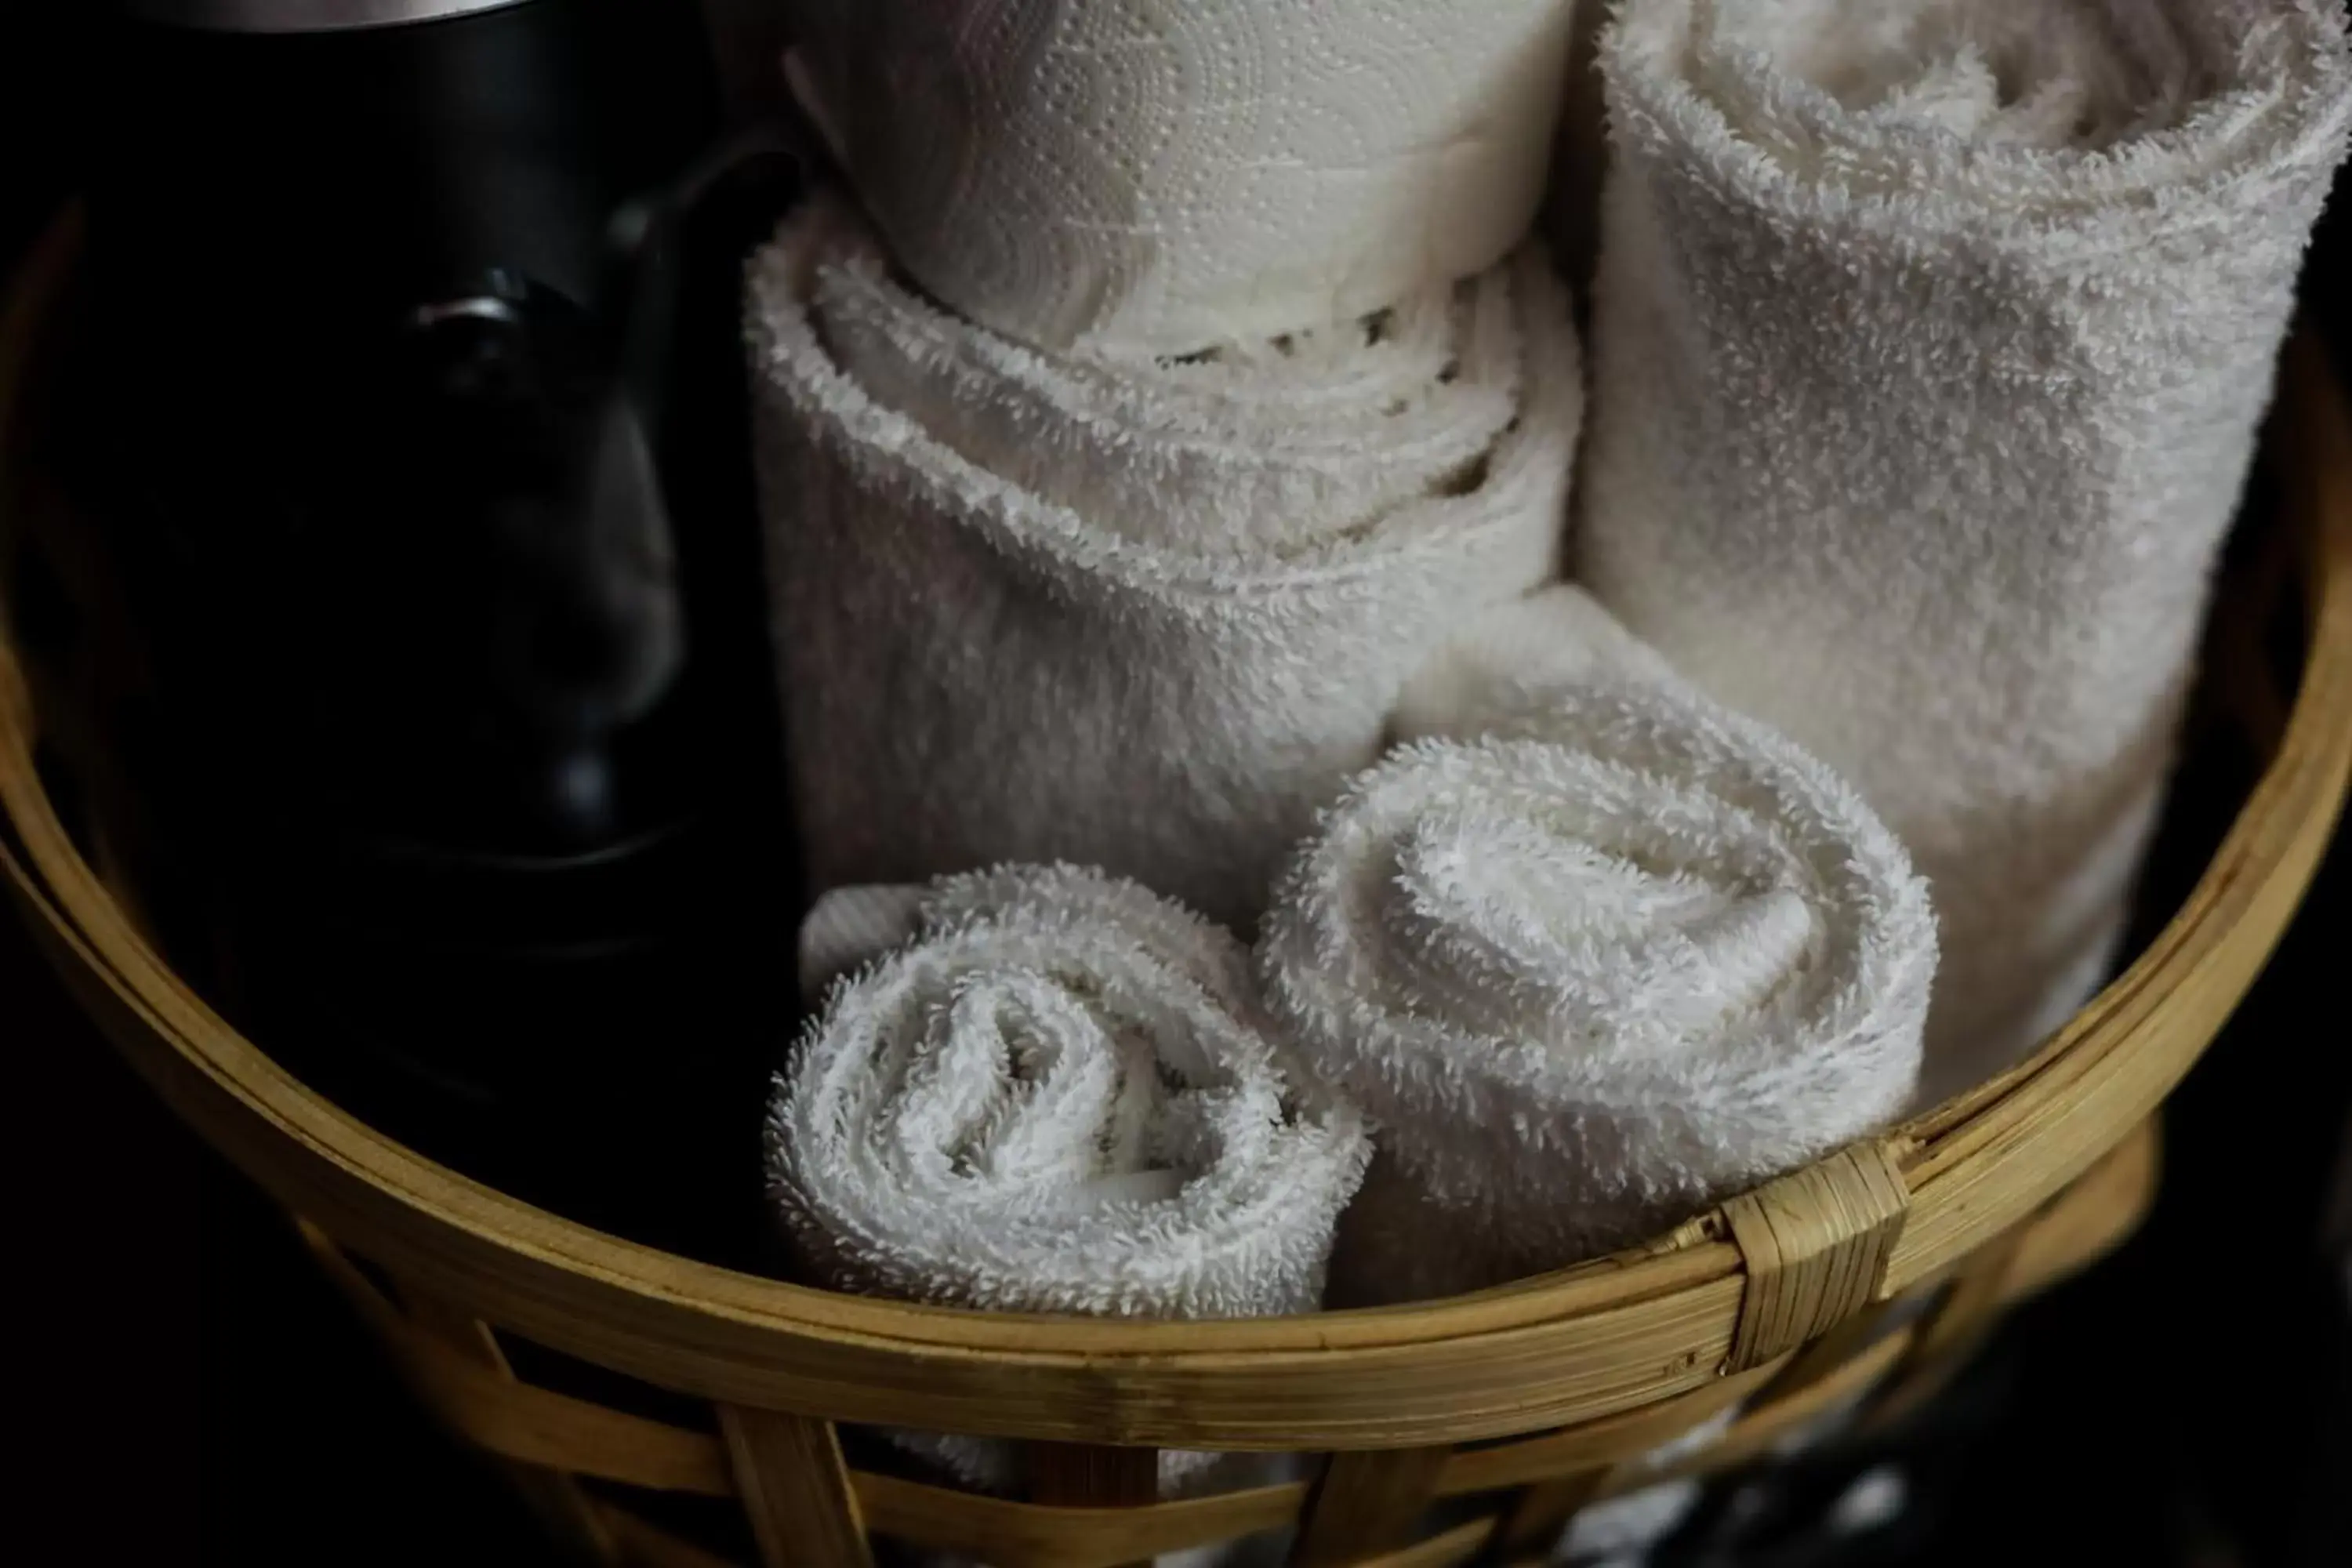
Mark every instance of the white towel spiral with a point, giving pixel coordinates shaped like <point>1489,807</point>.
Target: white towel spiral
<point>1616,957</point>
<point>1061,1095</point>
<point>1053,1093</point>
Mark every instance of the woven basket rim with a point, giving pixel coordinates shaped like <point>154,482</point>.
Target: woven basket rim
<point>1601,1336</point>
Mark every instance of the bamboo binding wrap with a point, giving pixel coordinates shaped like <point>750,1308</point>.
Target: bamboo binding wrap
<point>1865,1276</point>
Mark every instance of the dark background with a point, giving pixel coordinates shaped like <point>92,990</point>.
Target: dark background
<point>194,1392</point>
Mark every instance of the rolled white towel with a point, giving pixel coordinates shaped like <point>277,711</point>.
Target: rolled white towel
<point>1148,616</point>
<point>1931,340</point>
<point>1052,1092</point>
<point>1167,175</point>
<point>1591,954</point>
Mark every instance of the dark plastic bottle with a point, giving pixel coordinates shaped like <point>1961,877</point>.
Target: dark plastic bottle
<point>415,426</point>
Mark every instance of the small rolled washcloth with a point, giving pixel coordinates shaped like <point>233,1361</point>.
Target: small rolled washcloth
<point>1162,176</point>
<point>1931,338</point>
<point>1146,615</point>
<point>1592,952</point>
<point>1052,1092</point>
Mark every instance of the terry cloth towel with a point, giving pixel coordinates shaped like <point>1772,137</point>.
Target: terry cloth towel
<point>1931,340</point>
<point>1148,615</point>
<point>1591,954</point>
<point>1160,177</point>
<point>1052,1092</point>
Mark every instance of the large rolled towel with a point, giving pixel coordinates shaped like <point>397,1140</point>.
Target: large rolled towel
<point>1931,340</point>
<point>1168,175</point>
<point>1591,954</point>
<point>1148,615</point>
<point>1052,1092</point>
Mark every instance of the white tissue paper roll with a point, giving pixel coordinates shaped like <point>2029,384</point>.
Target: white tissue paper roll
<point>1591,954</point>
<point>1148,615</point>
<point>1038,1089</point>
<point>1166,176</point>
<point>1931,341</point>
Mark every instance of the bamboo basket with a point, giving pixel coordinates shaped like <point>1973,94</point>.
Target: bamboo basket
<point>1863,1279</point>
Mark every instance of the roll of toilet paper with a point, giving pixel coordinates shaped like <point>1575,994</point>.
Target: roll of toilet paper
<point>1168,175</point>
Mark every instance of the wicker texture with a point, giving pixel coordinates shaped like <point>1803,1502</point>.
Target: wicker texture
<point>808,1506</point>
<point>1865,1277</point>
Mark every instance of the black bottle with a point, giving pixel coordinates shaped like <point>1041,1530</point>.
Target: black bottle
<point>417,426</point>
